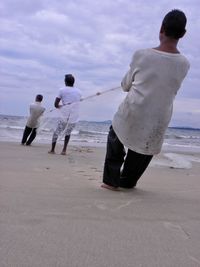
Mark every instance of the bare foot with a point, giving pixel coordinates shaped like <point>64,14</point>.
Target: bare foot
<point>51,152</point>
<point>110,187</point>
<point>63,153</point>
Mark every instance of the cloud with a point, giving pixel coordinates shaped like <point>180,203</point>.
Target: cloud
<point>41,41</point>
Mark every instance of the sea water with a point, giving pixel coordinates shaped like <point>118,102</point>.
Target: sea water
<point>93,133</point>
<point>85,132</point>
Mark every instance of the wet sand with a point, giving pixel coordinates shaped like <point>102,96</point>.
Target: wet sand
<point>53,211</point>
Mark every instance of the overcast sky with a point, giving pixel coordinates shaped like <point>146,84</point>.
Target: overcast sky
<point>43,40</point>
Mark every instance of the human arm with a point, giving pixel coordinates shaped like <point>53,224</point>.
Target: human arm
<point>42,112</point>
<point>56,103</point>
<point>30,109</point>
<point>129,77</point>
<point>127,81</point>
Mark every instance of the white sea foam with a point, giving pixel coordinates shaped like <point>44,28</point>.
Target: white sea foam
<point>177,140</point>
<point>176,161</point>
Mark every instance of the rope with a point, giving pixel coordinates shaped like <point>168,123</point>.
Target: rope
<point>88,97</point>
<point>100,93</point>
<point>81,100</point>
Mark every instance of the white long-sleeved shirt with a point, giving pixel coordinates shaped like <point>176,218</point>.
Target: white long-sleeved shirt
<point>36,110</point>
<point>152,82</point>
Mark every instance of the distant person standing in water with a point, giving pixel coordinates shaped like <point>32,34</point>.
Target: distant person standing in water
<point>70,97</point>
<point>152,82</point>
<point>30,131</point>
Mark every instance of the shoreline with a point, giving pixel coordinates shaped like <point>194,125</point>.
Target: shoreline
<point>171,157</point>
<point>165,148</point>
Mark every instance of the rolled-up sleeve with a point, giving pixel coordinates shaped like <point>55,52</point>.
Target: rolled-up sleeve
<point>129,77</point>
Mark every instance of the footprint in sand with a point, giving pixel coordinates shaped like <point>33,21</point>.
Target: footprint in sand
<point>177,228</point>
<point>100,205</point>
<point>71,160</point>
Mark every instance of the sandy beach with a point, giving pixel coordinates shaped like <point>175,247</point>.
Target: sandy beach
<point>53,212</point>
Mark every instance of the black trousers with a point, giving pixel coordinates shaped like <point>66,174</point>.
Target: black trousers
<point>134,164</point>
<point>29,132</point>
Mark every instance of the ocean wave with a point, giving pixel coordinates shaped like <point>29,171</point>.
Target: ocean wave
<point>174,136</point>
<point>180,145</point>
<point>75,132</point>
<point>175,161</point>
<point>8,127</point>
<point>92,132</point>
<point>12,127</point>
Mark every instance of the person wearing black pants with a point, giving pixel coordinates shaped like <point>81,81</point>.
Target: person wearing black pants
<point>134,164</point>
<point>36,111</point>
<point>29,132</point>
<point>152,81</point>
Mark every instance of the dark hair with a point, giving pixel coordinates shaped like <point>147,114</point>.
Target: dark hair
<point>69,79</point>
<point>174,24</point>
<point>39,98</point>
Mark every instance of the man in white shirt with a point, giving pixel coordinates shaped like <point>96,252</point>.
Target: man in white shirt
<point>152,82</point>
<point>30,131</point>
<point>69,111</point>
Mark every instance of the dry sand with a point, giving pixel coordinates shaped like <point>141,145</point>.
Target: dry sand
<point>53,212</point>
